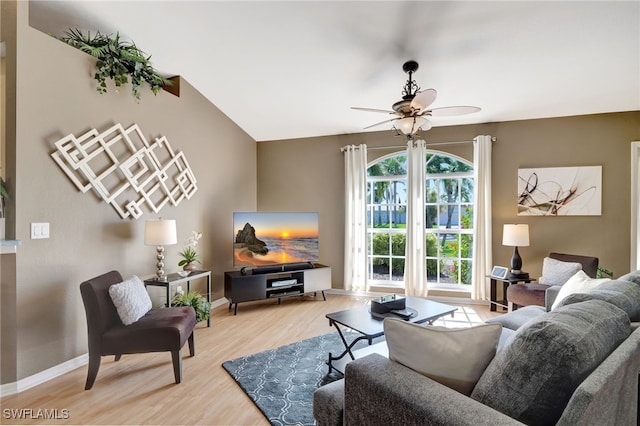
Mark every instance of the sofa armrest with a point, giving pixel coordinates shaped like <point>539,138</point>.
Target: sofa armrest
<point>382,392</point>
<point>550,296</point>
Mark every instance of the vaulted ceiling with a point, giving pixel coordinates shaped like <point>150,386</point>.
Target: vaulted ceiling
<point>293,69</point>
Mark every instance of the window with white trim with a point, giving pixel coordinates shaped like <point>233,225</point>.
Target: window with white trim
<point>449,221</point>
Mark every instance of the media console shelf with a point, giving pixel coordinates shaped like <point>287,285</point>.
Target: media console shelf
<point>275,282</point>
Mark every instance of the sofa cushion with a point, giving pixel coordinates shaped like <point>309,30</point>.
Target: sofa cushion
<point>578,283</point>
<point>623,294</point>
<point>633,277</point>
<point>533,377</point>
<point>131,299</point>
<point>515,319</point>
<point>505,335</point>
<point>557,272</point>
<point>455,357</point>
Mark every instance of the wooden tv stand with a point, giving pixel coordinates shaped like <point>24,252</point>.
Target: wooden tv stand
<point>275,282</point>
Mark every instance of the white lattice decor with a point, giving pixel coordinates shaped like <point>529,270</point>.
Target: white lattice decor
<point>125,170</point>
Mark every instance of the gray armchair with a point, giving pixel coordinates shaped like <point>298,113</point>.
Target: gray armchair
<point>159,330</point>
<point>526,294</point>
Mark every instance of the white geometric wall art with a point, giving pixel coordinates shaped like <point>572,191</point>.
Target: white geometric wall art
<point>125,170</point>
<point>560,191</point>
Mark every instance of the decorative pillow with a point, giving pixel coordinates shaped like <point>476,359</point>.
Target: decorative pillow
<point>533,377</point>
<point>578,283</point>
<point>131,300</point>
<point>556,272</point>
<point>623,294</point>
<point>454,357</point>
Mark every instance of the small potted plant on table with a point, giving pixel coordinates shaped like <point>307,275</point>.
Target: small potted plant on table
<point>190,253</point>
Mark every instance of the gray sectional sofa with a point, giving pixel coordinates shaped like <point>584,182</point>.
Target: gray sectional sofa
<point>577,364</point>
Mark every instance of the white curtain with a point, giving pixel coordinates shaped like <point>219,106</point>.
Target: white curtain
<point>415,269</point>
<point>355,232</point>
<point>482,259</point>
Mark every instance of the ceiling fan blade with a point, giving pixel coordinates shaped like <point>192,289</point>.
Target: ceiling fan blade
<point>382,122</point>
<point>375,110</point>
<point>423,99</point>
<point>452,110</point>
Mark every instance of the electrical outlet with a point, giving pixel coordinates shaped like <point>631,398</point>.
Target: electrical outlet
<point>39,230</point>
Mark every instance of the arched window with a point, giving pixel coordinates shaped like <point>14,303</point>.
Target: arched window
<point>449,209</point>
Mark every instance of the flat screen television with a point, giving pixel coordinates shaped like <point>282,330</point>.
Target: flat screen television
<point>270,238</point>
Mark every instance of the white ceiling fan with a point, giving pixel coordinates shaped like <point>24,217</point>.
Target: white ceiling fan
<point>412,112</point>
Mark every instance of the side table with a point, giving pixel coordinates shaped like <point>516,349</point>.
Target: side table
<point>506,282</point>
<point>175,279</point>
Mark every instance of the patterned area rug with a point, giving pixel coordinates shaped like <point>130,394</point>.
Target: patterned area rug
<point>281,381</point>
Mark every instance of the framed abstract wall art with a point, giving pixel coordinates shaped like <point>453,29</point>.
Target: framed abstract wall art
<point>560,191</point>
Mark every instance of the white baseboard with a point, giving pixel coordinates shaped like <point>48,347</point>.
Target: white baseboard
<point>219,302</point>
<point>43,376</point>
<point>60,369</point>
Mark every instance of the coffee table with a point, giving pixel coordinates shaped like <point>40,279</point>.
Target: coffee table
<point>360,320</point>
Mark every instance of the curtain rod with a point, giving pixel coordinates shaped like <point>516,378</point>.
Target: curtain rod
<point>493,139</point>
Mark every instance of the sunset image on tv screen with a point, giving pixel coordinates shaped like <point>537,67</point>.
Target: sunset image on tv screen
<point>262,238</point>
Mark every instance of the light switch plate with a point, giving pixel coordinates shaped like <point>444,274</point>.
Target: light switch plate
<point>39,230</point>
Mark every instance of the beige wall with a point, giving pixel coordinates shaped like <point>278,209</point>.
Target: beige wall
<point>57,97</point>
<point>308,174</point>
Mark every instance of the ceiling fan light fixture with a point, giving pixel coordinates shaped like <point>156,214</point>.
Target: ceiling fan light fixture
<point>410,125</point>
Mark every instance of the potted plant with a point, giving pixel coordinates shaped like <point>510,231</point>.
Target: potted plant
<point>117,60</point>
<point>190,253</point>
<point>197,301</point>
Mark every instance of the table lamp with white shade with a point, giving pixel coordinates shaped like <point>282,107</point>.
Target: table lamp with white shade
<point>160,232</point>
<point>516,236</point>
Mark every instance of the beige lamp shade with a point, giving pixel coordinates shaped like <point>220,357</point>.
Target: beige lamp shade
<point>160,232</point>
<point>515,235</point>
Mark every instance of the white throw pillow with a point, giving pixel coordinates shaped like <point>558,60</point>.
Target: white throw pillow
<point>131,300</point>
<point>557,272</point>
<point>454,357</point>
<point>578,283</point>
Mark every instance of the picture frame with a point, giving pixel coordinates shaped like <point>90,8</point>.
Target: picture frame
<point>500,272</point>
<point>560,191</point>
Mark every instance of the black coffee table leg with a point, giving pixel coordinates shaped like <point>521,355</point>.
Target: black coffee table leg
<point>347,346</point>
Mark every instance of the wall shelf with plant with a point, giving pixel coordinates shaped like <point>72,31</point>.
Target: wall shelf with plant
<point>117,60</point>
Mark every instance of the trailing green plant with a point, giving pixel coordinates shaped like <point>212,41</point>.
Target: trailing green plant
<point>197,301</point>
<point>603,273</point>
<point>117,60</point>
<point>4,196</point>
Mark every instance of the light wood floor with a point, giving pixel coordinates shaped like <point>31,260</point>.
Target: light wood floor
<point>140,389</point>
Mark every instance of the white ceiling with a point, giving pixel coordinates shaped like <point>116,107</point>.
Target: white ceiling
<point>293,69</point>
